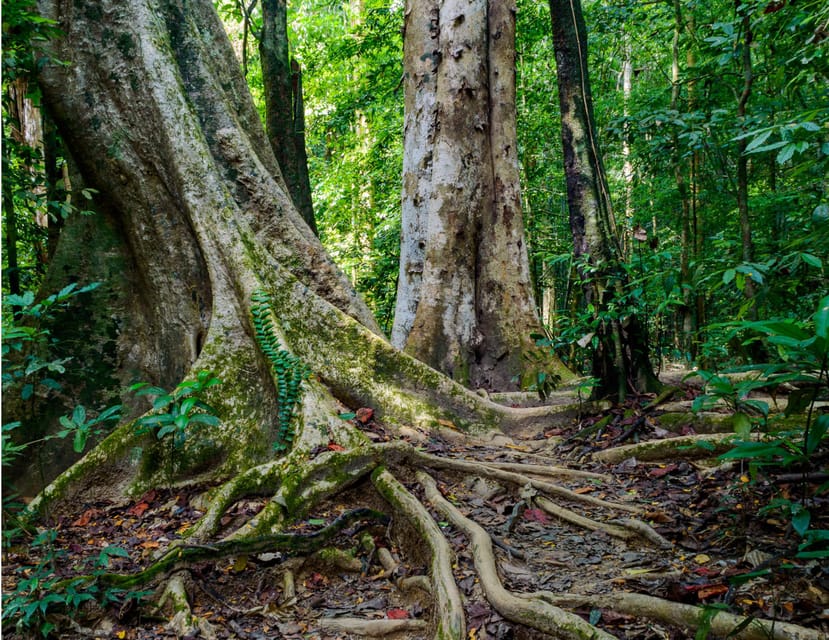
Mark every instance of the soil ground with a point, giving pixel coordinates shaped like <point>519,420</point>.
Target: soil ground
<point>727,551</point>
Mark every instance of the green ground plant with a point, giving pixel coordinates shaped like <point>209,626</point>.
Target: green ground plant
<point>177,415</point>
<point>792,440</point>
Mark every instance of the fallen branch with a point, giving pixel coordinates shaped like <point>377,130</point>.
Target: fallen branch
<point>373,628</point>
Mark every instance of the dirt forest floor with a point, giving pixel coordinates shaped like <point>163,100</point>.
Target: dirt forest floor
<point>722,551</point>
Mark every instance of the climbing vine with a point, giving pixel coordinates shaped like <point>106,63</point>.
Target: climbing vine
<point>288,369</point>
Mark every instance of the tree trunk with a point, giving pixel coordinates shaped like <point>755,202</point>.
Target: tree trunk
<point>174,146</point>
<point>744,13</point>
<point>688,326</point>
<point>465,303</point>
<point>284,110</point>
<point>621,361</point>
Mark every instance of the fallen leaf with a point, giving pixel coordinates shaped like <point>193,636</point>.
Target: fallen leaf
<point>536,515</point>
<point>397,614</point>
<point>661,471</point>
<point>138,509</point>
<point>364,415</point>
<point>447,423</point>
<point>582,490</point>
<point>702,558</point>
<point>86,517</point>
<point>713,590</point>
<point>333,446</point>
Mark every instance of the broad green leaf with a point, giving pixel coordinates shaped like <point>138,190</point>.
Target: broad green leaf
<point>162,401</point>
<point>798,400</point>
<point>205,418</point>
<point>79,415</point>
<point>801,518</point>
<point>187,405</point>
<point>741,424</point>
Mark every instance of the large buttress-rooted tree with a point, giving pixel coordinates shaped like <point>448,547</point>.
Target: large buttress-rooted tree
<point>155,109</point>
<point>620,361</point>
<point>465,302</point>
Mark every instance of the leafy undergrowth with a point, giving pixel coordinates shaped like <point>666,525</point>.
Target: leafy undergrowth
<point>726,553</point>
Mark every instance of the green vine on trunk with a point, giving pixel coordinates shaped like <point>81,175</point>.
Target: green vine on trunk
<point>288,369</point>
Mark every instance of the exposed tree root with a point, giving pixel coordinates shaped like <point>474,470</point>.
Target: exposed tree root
<point>543,470</point>
<point>450,623</point>
<point>483,469</point>
<point>307,483</point>
<point>722,624</point>
<point>373,628</point>
<point>696,446</point>
<point>624,529</point>
<point>535,613</point>
<point>184,555</point>
<point>182,621</point>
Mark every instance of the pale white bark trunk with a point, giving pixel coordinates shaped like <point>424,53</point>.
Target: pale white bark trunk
<point>465,303</point>
<point>420,62</point>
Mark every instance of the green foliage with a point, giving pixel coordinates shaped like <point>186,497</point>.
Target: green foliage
<point>29,369</point>
<point>288,370</point>
<point>39,594</point>
<point>803,351</point>
<point>536,373</point>
<point>178,414</point>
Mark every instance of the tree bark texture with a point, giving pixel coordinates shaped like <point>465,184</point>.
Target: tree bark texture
<point>465,303</point>
<point>620,361</point>
<point>284,111</point>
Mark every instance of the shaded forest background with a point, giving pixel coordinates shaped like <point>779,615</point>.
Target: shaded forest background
<point>712,120</point>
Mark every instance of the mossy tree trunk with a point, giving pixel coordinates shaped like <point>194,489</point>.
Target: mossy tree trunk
<point>153,105</point>
<point>620,361</point>
<point>465,302</point>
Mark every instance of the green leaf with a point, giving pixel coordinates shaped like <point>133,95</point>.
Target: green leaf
<point>801,518</point>
<point>817,433</point>
<point>741,424</point>
<point>822,319</point>
<point>162,401</point>
<point>79,415</point>
<point>79,441</point>
<point>798,400</point>
<point>204,418</point>
<point>187,405</point>
<point>811,260</point>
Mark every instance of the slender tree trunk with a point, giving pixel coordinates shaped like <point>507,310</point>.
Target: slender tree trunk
<point>687,311</point>
<point>12,271</point>
<point>742,158</point>
<point>627,166</point>
<point>621,361</point>
<point>284,110</point>
<point>465,302</point>
<point>56,187</point>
